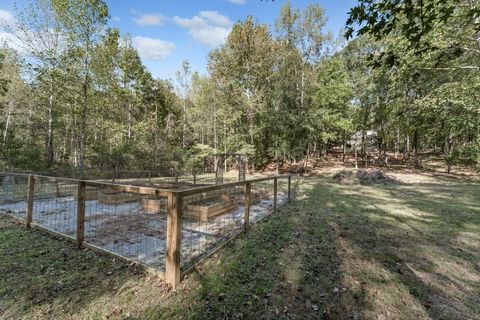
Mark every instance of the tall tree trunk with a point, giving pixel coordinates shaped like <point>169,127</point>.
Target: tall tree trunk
<point>364,148</point>
<point>7,122</point>
<point>397,142</point>
<point>302,88</point>
<point>129,121</point>
<point>30,136</point>
<point>356,156</point>
<point>215,137</point>
<point>50,154</point>
<point>225,143</point>
<point>64,144</point>
<point>407,148</point>
<point>448,147</point>
<point>415,149</point>
<point>155,137</point>
<point>184,130</point>
<point>83,124</point>
<point>75,143</point>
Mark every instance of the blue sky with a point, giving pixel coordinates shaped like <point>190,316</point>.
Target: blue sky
<point>167,32</point>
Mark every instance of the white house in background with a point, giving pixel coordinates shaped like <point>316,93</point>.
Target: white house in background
<point>356,139</point>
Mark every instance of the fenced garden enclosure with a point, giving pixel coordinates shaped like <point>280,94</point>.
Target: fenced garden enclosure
<point>165,223</point>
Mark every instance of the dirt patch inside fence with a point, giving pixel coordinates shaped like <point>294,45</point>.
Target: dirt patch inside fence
<point>125,228</point>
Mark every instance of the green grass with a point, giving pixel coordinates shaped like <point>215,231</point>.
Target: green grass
<point>338,252</point>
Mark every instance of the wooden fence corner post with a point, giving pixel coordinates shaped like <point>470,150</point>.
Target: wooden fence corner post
<point>246,222</point>
<point>275,195</point>
<point>289,188</point>
<point>30,194</point>
<point>174,239</point>
<point>80,213</point>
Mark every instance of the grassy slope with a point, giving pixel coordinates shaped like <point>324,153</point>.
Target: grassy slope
<point>353,252</point>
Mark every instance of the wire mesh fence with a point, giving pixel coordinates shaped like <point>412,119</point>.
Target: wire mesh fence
<point>212,217</point>
<point>282,190</point>
<point>13,195</point>
<point>165,180</point>
<point>135,221</point>
<point>54,205</point>
<point>262,197</point>
<point>127,223</point>
<point>209,219</point>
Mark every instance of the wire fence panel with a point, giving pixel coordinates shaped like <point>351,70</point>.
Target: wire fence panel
<point>262,195</point>
<point>13,195</point>
<point>128,224</point>
<point>209,219</point>
<point>205,178</point>
<point>175,180</point>
<point>295,187</point>
<point>282,190</point>
<point>55,205</point>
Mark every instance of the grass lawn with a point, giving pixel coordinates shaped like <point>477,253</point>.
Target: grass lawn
<point>406,251</point>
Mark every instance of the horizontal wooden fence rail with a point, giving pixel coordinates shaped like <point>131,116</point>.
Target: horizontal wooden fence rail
<point>244,202</point>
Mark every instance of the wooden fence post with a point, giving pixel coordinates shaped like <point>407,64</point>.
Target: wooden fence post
<point>246,221</point>
<point>194,177</point>
<point>275,195</point>
<point>30,193</point>
<point>80,213</point>
<point>174,239</point>
<point>57,189</point>
<point>289,188</point>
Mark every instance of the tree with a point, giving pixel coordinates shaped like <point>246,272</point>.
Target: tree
<point>3,81</point>
<point>39,32</point>
<point>331,114</point>
<point>15,110</point>
<point>304,30</point>
<point>242,70</point>
<point>183,79</point>
<point>79,95</point>
<point>83,20</point>
<point>413,19</point>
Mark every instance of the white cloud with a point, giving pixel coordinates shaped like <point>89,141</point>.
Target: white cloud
<point>151,48</point>
<point>148,20</point>
<point>6,17</point>
<point>116,19</point>
<point>237,1</point>
<point>207,27</point>
<point>11,41</point>
<point>215,18</point>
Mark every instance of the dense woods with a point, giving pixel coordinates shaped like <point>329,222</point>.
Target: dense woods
<point>403,83</point>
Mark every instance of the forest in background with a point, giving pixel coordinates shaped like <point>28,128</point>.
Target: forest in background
<point>404,79</point>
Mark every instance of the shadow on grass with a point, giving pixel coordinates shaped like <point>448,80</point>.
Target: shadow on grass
<point>42,275</point>
<point>347,252</point>
<point>423,238</point>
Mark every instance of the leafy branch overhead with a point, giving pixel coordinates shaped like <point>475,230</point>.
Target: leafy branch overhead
<point>413,19</point>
